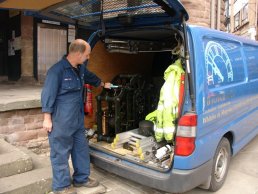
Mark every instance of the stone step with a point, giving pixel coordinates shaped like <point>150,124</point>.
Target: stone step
<point>37,181</point>
<point>12,160</point>
<point>14,163</point>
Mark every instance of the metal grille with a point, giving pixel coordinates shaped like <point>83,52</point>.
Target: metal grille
<point>90,10</point>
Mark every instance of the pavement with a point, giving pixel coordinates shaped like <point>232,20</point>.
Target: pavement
<point>242,176</point>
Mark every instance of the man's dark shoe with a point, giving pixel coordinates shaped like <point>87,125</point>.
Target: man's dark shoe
<point>68,190</point>
<point>89,184</point>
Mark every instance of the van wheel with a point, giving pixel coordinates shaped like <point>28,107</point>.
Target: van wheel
<point>220,165</point>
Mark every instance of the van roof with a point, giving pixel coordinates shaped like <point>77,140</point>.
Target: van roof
<point>201,31</point>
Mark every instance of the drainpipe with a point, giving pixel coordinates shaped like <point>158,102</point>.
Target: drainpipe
<point>218,14</point>
<point>213,14</point>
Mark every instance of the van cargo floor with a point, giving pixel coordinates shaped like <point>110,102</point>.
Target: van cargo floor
<point>132,156</point>
<point>104,145</point>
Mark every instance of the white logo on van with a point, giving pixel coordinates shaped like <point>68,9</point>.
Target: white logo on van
<point>218,64</point>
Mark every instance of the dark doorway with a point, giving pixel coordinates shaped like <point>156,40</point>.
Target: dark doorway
<point>14,47</point>
<point>3,42</point>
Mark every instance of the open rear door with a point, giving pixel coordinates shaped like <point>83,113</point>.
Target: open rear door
<point>93,14</point>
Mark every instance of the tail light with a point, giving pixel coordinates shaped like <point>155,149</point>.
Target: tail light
<point>186,133</point>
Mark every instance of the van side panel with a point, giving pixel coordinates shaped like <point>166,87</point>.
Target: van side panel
<point>226,77</point>
<point>243,136</point>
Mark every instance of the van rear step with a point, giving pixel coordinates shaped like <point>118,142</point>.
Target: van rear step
<point>139,149</point>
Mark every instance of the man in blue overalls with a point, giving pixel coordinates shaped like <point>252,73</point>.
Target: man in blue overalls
<point>62,105</point>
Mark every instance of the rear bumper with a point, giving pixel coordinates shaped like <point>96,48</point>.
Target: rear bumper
<point>175,181</point>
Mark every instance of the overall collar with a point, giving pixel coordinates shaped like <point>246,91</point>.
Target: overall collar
<point>67,64</point>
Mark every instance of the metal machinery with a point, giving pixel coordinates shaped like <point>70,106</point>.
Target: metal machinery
<point>121,108</point>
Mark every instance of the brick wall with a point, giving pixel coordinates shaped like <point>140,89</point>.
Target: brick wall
<point>200,12</point>
<point>27,46</point>
<point>24,127</point>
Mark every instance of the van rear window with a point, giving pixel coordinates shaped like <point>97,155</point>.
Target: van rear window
<point>251,53</point>
<point>223,61</point>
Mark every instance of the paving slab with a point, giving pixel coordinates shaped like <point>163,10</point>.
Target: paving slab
<point>96,190</point>
<point>19,96</point>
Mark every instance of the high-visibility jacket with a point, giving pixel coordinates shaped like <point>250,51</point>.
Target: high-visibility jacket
<point>165,115</point>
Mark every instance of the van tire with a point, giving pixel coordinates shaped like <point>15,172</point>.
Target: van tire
<point>220,167</point>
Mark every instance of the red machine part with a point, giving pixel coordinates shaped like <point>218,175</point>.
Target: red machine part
<point>88,108</point>
<point>181,92</point>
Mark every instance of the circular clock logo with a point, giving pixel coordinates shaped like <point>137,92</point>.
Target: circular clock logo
<point>218,65</point>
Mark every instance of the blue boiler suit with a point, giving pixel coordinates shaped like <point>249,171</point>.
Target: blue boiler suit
<point>62,96</point>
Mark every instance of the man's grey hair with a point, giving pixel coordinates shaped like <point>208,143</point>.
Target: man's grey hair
<point>77,46</point>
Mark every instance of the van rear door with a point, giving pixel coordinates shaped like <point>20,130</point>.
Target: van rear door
<point>100,14</point>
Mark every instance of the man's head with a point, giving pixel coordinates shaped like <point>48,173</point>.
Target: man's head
<point>79,51</point>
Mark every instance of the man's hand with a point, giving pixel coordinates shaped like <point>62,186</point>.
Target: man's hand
<point>47,123</point>
<point>107,85</point>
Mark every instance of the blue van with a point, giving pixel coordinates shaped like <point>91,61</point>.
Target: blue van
<point>219,107</point>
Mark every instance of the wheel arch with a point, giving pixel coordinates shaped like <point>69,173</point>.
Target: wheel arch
<point>229,135</point>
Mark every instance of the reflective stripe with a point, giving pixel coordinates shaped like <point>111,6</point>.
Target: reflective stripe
<point>169,129</point>
<point>186,131</point>
<point>158,130</point>
<point>160,107</point>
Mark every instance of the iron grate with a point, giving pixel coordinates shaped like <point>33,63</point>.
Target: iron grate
<point>90,10</point>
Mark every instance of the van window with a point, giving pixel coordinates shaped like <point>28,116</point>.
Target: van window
<point>223,61</point>
<point>251,60</point>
